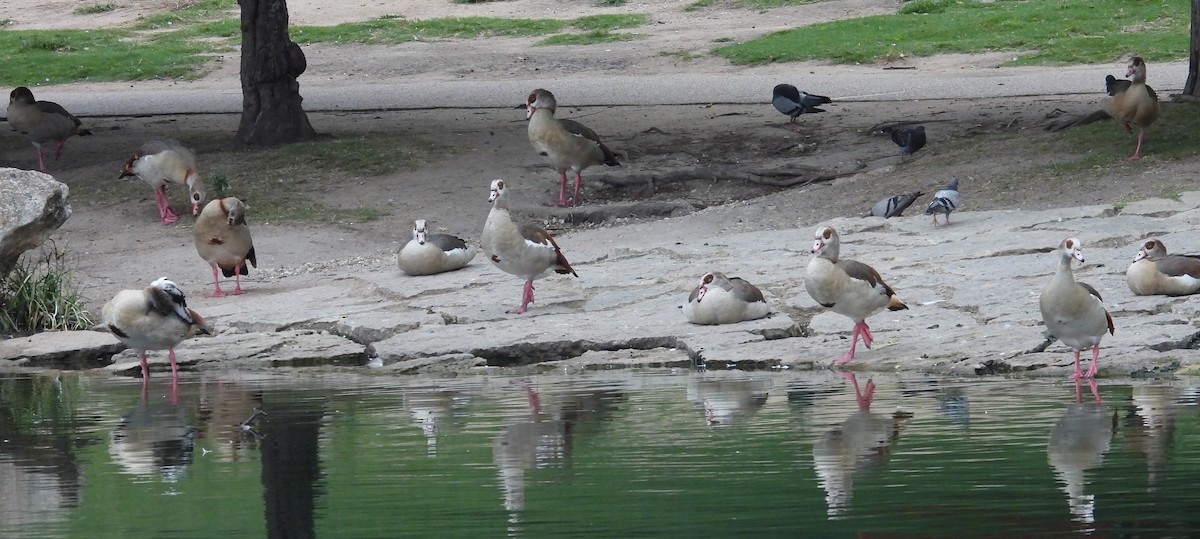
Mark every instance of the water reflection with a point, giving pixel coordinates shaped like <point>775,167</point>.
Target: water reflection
<point>155,438</point>
<point>863,441</point>
<point>1150,427</point>
<point>432,407</point>
<point>1078,442</point>
<point>726,401</point>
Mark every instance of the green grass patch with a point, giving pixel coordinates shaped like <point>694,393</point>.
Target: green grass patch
<point>39,295</point>
<point>610,22</point>
<point>368,156</point>
<point>95,9</point>
<point>1175,136</point>
<point>205,10</point>
<point>58,56</point>
<point>590,37</point>
<point>1042,31</point>
<point>682,55</point>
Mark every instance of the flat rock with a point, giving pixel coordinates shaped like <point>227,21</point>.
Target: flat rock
<point>250,351</point>
<point>61,349</point>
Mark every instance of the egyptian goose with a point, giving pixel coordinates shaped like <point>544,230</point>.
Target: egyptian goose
<point>524,250</point>
<point>154,318</point>
<point>567,144</point>
<point>1132,104</point>
<point>894,206</point>
<point>847,287</point>
<point>1153,272</point>
<point>223,240</point>
<point>42,122</point>
<point>724,300</point>
<point>427,253</point>
<point>790,101</point>
<point>944,201</point>
<point>909,139</point>
<point>161,162</point>
<point>1074,312</point>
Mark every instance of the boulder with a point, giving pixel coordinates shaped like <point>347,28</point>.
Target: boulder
<point>32,206</point>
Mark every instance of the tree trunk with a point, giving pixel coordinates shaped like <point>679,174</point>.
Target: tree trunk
<point>1190,87</point>
<point>271,104</point>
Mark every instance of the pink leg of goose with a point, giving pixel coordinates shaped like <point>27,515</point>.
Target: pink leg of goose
<point>1137,152</point>
<point>237,276</point>
<point>1091,372</point>
<point>562,190</point>
<point>165,212</point>
<point>41,162</point>
<point>58,149</point>
<point>217,293</point>
<point>578,190</point>
<point>526,298</point>
<point>860,330</point>
<point>174,370</point>
<point>1078,373</point>
<point>145,367</point>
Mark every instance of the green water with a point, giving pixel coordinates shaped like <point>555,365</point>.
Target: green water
<point>625,454</point>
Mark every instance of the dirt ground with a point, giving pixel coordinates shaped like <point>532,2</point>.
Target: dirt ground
<point>676,158</point>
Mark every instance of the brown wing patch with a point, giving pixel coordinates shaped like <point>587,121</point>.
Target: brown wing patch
<point>862,272</point>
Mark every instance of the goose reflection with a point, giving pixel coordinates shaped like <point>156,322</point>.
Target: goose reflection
<point>864,440</point>
<point>1078,442</point>
<point>156,438</point>
<point>726,401</point>
<point>430,409</point>
<point>545,437</point>
<point>1151,427</point>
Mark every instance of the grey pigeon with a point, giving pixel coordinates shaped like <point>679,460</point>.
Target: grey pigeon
<point>944,201</point>
<point>792,102</point>
<point>909,139</point>
<point>893,206</point>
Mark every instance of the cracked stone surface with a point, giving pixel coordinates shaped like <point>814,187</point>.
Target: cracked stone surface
<point>972,288</point>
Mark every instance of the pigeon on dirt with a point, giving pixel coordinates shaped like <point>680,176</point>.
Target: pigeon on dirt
<point>893,206</point>
<point>944,201</point>
<point>909,139</point>
<point>791,101</point>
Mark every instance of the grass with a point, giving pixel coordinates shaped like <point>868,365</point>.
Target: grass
<point>590,37</point>
<point>748,4</point>
<point>1036,31</point>
<point>95,9</point>
<point>1173,137</point>
<point>686,56</point>
<point>57,56</point>
<point>387,30</point>
<point>38,295</point>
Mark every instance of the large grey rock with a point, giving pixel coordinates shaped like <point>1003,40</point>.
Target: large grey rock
<point>249,351</point>
<point>61,350</point>
<point>32,206</point>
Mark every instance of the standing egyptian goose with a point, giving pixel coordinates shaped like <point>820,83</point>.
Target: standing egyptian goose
<point>223,240</point>
<point>1074,312</point>
<point>161,162</point>
<point>1133,104</point>
<point>427,253</point>
<point>847,287</point>
<point>42,122</point>
<point>525,250</point>
<point>154,318</point>
<point>567,144</point>
<point>790,101</point>
<point>946,200</point>
<point>1153,272</point>
<point>724,300</point>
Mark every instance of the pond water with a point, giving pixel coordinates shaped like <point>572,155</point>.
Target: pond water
<point>614,454</point>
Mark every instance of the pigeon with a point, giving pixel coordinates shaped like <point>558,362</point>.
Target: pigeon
<point>792,102</point>
<point>894,206</point>
<point>944,201</point>
<point>909,139</point>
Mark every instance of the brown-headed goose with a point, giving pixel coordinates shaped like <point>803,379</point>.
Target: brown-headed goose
<point>1073,311</point>
<point>724,300</point>
<point>524,250</point>
<point>567,144</point>
<point>154,318</point>
<point>42,122</point>
<point>1134,104</point>
<point>1154,272</point>
<point>161,162</point>
<point>847,287</point>
<point>223,240</point>
<point>427,253</point>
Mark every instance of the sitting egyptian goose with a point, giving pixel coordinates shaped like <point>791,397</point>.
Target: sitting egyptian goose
<point>42,122</point>
<point>524,250</point>
<point>567,144</point>
<point>427,253</point>
<point>724,300</point>
<point>154,318</point>
<point>847,287</point>
<point>1132,104</point>
<point>1073,311</point>
<point>946,200</point>
<point>1153,272</point>
<point>223,240</point>
<point>790,101</point>
<point>161,162</point>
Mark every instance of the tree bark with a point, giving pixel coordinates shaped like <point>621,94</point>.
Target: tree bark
<point>271,104</point>
<point>1190,87</point>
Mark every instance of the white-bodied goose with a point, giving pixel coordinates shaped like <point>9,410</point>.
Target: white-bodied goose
<point>426,254</point>
<point>525,250</point>
<point>1154,272</point>
<point>847,287</point>
<point>223,240</point>
<point>161,162</point>
<point>154,318</point>
<point>568,145</point>
<point>1073,311</point>
<point>1132,104</point>
<point>724,300</point>
<point>42,122</point>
